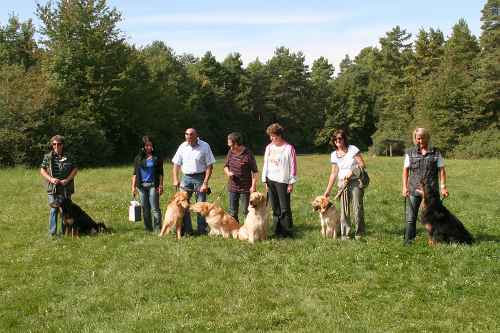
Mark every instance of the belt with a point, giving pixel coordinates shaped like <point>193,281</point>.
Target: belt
<point>195,174</point>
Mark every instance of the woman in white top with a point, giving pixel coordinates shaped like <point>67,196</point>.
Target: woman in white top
<point>346,162</point>
<point>279,173</point>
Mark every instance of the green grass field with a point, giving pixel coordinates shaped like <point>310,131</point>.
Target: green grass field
<point>130,281</point>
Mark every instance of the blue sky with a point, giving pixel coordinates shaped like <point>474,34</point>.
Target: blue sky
<point>255,28</point>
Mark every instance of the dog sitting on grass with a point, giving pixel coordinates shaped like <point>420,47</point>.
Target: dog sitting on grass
<point>175,213</point>
<point>441,224</point>
<point>255,226</point>
<point>220,222</point>
<point>328,215</point>
<point>77,221</point>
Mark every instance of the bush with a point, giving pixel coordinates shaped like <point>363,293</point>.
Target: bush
<point>484,144</point>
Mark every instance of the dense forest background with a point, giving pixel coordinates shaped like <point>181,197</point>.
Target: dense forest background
<point>83,80</point>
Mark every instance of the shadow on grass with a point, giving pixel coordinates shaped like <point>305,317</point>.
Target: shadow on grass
<point>486,238</point>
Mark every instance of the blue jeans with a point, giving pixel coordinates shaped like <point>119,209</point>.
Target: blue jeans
<point>192,184</point>
<point>54,212</point>
<point>150,201</point>
<point>234,200</point>
<point>412,206</point>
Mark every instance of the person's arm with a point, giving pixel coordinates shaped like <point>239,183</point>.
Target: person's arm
<point>49,178</point>
<point>227,172</point>
<point>405,191</point>
<point>331,180</point>
<point>255,176</point>
<point>175,175</point>
<point>134,185</point>
<point>70,177</point>
<point>160,185</point>
<point>359,159</point>
<point>442,182</point>
<point>293,169</point>
<point>208,174</point>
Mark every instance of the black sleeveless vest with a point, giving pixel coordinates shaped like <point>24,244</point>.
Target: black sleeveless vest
<point>423,168</point>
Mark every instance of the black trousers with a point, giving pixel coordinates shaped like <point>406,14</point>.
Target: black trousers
<point>282,212</point>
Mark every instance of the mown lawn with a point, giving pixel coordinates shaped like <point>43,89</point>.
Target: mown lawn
<point>130,281</point>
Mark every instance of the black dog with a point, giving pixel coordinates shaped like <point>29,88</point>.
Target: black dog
<point>77,221</point>
<point>441,224</point>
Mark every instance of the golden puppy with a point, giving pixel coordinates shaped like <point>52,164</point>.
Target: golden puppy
<point>175,213</point>
<point>328,216</point>
<point>255,226</point>
<point>220,222</point>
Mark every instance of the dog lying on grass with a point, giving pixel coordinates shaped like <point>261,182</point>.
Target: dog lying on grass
<point>77,221</point>
<point>441,224</point>
<point>175,213</point>
<point>220,222</point>
<point>255,226</point>
<point>328,216</point>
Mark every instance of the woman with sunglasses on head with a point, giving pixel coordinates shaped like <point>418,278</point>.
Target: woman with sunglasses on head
<point>147,179</point>
<point>59,170</point>
<point>347,164</point>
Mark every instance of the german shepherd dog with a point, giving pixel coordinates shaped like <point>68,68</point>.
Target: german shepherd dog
<point>77,221</point>
<point>441,224</point>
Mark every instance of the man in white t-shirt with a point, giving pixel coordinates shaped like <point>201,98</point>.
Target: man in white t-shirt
<point>195,159</point>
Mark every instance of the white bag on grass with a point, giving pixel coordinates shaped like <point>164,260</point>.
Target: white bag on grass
<point>134,211</point>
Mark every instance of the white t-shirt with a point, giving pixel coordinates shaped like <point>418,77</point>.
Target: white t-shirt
<point>345,163</point>
<point>194,159</point>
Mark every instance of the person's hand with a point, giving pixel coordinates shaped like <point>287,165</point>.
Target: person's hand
<point>63,182</point>
<point>267,189</point>
<point>253,189</point>
<point>405,192</point>
<point>54,181</point>
<point>230,174</point>
<point>326,194</point>
<point>176,183</point>
<point>444,192</point>
<point>289,188</point>
<point>160,189</point>
<point>134,191</point>
<point>204,187</point>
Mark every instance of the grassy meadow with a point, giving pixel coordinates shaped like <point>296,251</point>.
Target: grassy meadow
<point>132,281</point>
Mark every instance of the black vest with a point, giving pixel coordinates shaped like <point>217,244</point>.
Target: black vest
<point>423,168</point>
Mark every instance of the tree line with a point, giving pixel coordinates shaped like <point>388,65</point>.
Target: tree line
<point>83,80</point>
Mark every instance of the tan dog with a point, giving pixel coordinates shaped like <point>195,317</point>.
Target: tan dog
<point>255,226</point>
<point>328,216</point>
<point>175,213</point>
<point>220,222</point>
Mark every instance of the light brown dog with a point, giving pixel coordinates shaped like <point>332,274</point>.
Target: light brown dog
<point>255,226</point>
<point>175,213</point>
<point>220,222</point>
<point>328,216</point>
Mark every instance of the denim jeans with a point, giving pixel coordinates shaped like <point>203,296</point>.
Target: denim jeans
<point>150,201</point>
<point>192,184</point>
<point>54,198</point>
<point>412,205</point>
<point>355,211</point>
<point>235,198</point>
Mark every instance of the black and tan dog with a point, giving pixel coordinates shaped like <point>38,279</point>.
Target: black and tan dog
<point>441,224</point>
<point>77,221</point>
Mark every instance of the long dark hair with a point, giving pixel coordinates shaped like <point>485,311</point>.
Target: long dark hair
<point>339,133</point>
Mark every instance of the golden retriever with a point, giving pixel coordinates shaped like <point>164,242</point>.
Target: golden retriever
<point>220,222</point>
<point>328,216</point>
<point>255,226</point>
<point>175,213</point>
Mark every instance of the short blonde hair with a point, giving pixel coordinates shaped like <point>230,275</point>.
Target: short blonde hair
<point>422,131</point>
